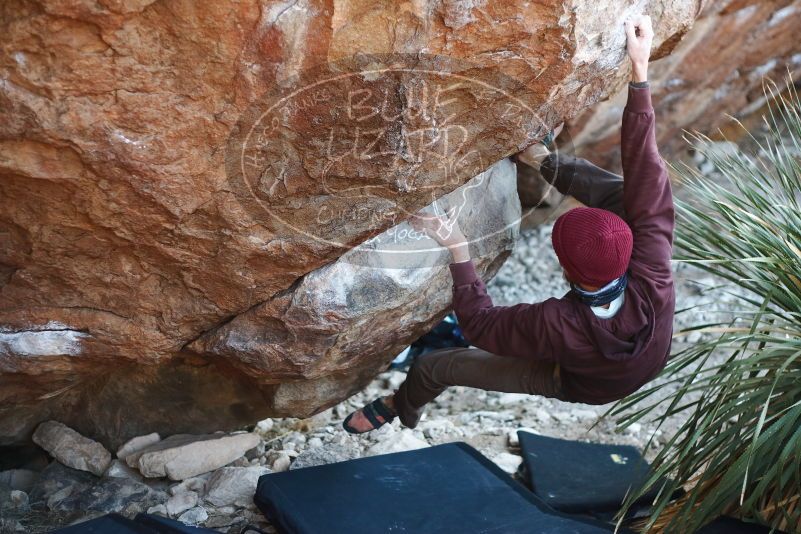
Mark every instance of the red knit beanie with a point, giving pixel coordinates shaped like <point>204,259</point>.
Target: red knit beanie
<point>593,245</point>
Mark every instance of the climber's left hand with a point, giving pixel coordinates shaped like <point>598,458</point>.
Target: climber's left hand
<point>639,37</point>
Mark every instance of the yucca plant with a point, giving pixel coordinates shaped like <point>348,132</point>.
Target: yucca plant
<point>739,449</point>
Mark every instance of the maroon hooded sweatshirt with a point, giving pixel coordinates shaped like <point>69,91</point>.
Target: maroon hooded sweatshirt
<point>601,360</point>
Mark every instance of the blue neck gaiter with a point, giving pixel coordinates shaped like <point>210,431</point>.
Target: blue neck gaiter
<point>604,295</point>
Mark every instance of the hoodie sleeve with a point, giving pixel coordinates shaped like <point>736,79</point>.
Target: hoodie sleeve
<point>647,195</point>
<point>523,330</point>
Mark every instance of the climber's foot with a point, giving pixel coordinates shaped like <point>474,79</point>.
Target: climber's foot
<point>372,416</point>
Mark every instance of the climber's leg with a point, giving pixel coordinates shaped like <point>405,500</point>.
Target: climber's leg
<point>434,372</point>
<point>588,183</point>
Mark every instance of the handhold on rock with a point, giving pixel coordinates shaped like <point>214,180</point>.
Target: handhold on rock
<point>72,449</point>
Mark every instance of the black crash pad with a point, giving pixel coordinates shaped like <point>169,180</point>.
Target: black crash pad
<point>142,524</point>
<point>582,478</point>
<point>443,489</point>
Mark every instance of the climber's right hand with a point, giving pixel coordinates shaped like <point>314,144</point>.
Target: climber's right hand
<point>444,231</point>
<point>639,36</point>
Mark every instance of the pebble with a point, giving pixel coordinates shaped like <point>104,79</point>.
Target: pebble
<point>195,484</point>
<point>194,516</point>
<point>514,439</point>
<point>233,485</point>
<point>405,440</point>
<point>265,426</point>
<point>19,500</point>
<point>508,462</point>
<point>159,509</point>
<point>513,398</point>
<point>181,502</point>
<point>634,428</point>
<point>281,463</point>
<point>331,453</point>
<point>119,469</point>
<point>585,414</point>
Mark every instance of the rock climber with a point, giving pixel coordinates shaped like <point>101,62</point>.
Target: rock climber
<point>612,332</point>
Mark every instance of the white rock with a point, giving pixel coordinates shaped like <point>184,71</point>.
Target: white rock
<point>181,502</point>
<point>435,428</point>
<point>119,469</point>
<point>184,456</point>
<point>634,428</point>
<point>196,484</point>
<point>136,444</point>
<point>405,440</point>
<point>563,417</point>
<point>542,414</point>
<point>72,449</point>
<point>194,516</point>
<point>514,439</point>
<point>19,499</point>
<point>508,462</point>
<point>585,414</point>
<point>315,442</point>
<point>265,426</point>
<point>233,485</point>
<point>159,509</point>
<point>513,398</point>
<point>281,463</point>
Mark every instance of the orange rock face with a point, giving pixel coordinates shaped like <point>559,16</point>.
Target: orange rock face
<point>716,70</point>
<point>203,203</point>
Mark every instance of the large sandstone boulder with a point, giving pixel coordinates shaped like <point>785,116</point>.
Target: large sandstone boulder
<point>203,203</point>
<point>714,73</point>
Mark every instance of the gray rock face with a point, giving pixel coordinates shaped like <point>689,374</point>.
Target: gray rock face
<point>399,277</point>
<point>72,449</point>
<point>233,485</point>
<point>183,456</point>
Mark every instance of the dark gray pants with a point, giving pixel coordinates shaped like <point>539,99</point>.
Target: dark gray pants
<point>436,371</point>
